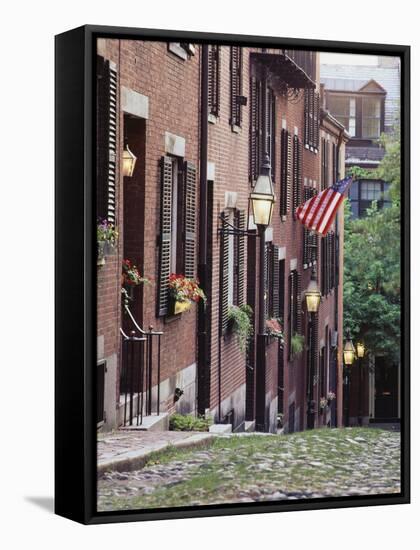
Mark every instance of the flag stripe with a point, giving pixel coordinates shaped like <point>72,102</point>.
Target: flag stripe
<point>330,221</point>
<point>326,214</point>
<point>325,201</point>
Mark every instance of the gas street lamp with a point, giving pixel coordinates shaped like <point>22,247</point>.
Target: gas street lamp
<point>349,354</point>
<point>360,350</point>
<point>128,162</point>
<point>312,299</point>
<point>261,199</point>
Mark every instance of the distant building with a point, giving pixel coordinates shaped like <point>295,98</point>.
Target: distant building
<point>365,99</point>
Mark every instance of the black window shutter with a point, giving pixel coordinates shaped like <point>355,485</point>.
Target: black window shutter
<point>235,85</point>
<point>224,280</point>
<point>286,172</point>
<point>327,163</point>
<point>307,254</point>
<point>214,80</point>
<point>311,117</point>
<point>314,238</point>
<point>306,117</point>
<point>273,135</point>
<point>165,235</point>
<point>190,209</point>
<point>298,303</point>
<point>316,120</point>
<point>314,349</point>
<point>254,130</point>
<point>297,174</point>
<point>290,314</point>
<point>240,259</point>
<point>107,142</point>
<point>324,265</point>
<point>275,282</point>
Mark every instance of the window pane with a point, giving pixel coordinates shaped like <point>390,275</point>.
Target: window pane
<point>370,190</point>
<point>371,107</point>
<point>339,106</point>
<point>371,127</point>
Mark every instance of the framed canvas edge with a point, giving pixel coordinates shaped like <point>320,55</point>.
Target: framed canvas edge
<point>75,492</point>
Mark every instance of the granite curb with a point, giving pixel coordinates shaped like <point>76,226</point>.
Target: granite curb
<point>135,460</point>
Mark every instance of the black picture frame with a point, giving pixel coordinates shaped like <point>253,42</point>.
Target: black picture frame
<point>75,294</point>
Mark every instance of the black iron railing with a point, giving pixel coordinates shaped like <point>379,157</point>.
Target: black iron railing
<point>304,60</point>
<point>140,352</point>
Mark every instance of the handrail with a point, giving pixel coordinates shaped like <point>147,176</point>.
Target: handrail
<point>127,309</point>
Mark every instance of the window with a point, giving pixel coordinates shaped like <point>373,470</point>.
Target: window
<point>311,114</point>
<point>236,98</point>
<point>177,225</point>
<point>371,190</point>
<point>214,80</point>
<point>371,117</point>
<point>297,174</point>
<point>310,239</point>
<point>343,108</point>
<point>329,279</point>
<point>325,163</point>
<point>286,168</point>
<point>362,116</point>
<point>175,218</point>
<point>182,49</point>
<point>274,283</point>
<point>232,265</point>
<point>258,120</point>
<point>294,316</point>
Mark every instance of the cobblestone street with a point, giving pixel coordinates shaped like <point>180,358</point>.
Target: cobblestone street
<point>252,468</point>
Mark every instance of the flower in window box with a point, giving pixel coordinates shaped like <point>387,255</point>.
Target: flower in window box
<point>184,292</point>
<point>274,329</point>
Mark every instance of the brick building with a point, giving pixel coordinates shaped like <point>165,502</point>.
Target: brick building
<point>199,120</point>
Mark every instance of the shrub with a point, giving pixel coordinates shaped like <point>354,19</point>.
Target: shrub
<point>189,423</point>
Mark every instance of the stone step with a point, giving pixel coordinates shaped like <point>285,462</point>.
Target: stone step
<point>249,426</point>
<point>153,423</point>
<point>220,429</point>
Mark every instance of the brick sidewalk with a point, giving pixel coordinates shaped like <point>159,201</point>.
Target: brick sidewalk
<point>128,450</point>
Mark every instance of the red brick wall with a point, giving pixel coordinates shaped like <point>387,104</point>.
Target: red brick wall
<point>172,86</point>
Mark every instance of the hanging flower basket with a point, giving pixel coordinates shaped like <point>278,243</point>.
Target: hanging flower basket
<point>184,292</point>
<point>100,255</point>
<point>130,279</point>
<point>106,238</point>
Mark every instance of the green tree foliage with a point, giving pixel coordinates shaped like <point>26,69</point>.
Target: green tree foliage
<point>372,265</point>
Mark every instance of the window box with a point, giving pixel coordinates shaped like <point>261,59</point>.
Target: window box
<point>180,307</point>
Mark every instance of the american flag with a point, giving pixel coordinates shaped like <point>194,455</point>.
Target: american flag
<point>317,214</point>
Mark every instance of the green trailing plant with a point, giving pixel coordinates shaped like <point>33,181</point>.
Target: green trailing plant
<point>240,319</point>
<point>189,423</point>
<point>297,344</point>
